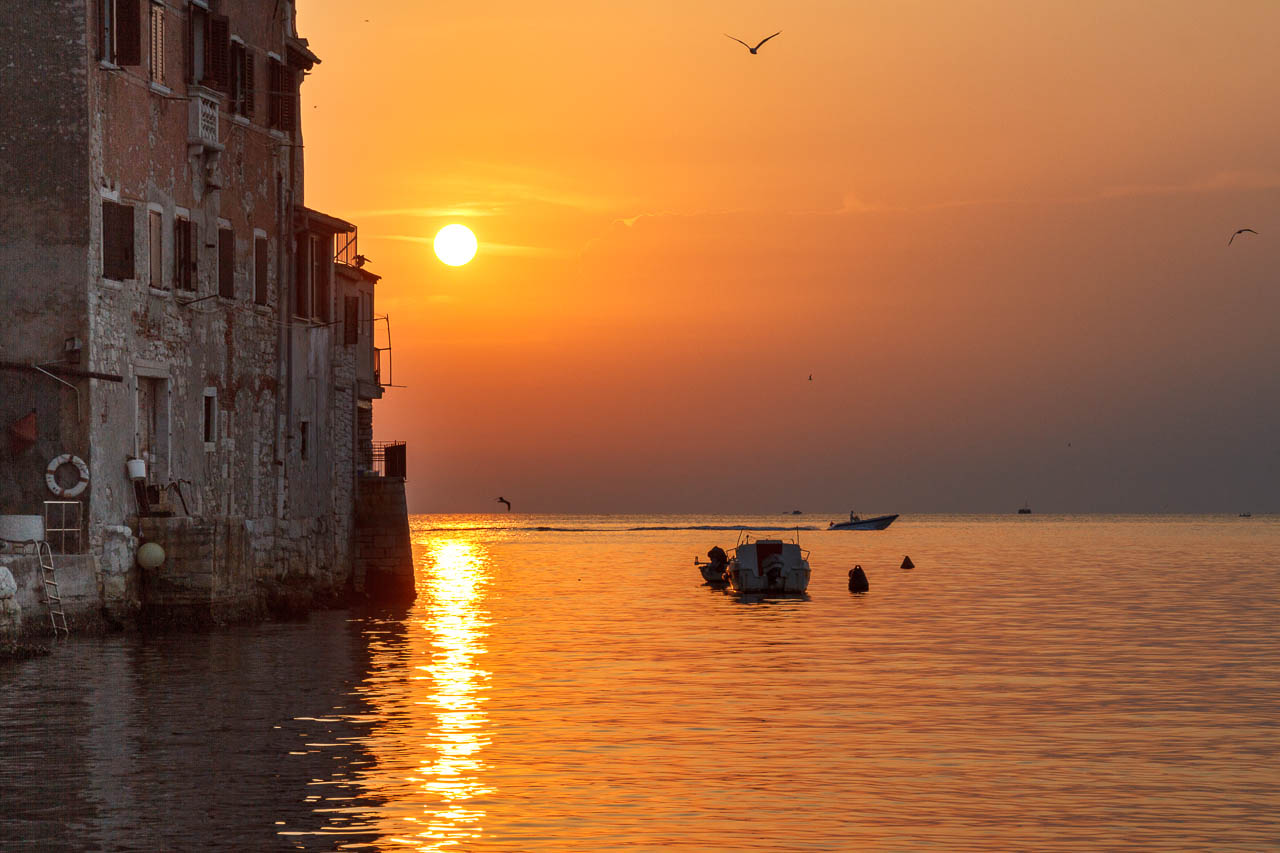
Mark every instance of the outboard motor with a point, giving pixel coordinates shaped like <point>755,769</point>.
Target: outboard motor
<point>858,580</point>
<point>719,559</point>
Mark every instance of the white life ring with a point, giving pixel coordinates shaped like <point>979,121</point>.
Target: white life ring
<point>51,479</point>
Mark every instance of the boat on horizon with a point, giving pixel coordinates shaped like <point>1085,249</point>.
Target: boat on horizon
<point>770,566</point>
<point>1025,510</point>
<point>857,522</point>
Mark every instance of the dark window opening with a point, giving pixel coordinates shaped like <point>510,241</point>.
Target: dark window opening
<point>184,255</point>
<point>155,249</point>
<point>321,270</point>
<point>351,320</point>
<point>117,241</point>
<point>303,429</point>
<point>302,276</point>
<point>226,263</point>
<point>260,292</point>
<point>210,418</point>
<point>120,32</point>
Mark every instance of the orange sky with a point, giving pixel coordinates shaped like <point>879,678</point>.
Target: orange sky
<point>988,229</point>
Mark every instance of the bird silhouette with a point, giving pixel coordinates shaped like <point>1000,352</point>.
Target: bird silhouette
<point>1238,233</point>
<point>505,501</point>
<point>810,377</point>
<point>749,47</point>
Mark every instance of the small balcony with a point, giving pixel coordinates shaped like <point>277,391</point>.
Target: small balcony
<point>385,459</point>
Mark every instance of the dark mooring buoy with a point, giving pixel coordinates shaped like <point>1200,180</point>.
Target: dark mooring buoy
<point>858,580</point>
<point>907,564</point>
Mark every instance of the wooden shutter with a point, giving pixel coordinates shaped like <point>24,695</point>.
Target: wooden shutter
<point>226,263</point>
<point>273,93</point>
<point>288,98</point>
<point>128,32</point>
<point>351,320</point>
<point>117,241</point>
<point>249,83</point>
<point>260,271</point>
<point>217,53</point>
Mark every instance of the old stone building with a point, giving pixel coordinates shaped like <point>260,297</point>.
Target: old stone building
<point>188,353</point>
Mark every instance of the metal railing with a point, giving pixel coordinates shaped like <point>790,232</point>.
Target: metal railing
<point>388,459</point>
<point>62,526</point>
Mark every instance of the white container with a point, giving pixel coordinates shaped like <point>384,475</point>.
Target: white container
<point>137,469</point>
<point>22,528</point>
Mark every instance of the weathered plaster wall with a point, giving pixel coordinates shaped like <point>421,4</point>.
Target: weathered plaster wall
<point>44,233</point>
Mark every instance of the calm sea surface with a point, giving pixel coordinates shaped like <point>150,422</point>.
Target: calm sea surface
<point>565,683</point>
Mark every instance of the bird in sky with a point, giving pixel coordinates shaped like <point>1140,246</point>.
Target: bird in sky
<point>749,47</point>
<point>1238,233</point>
<point>810,377</point>
<point>505,501</point>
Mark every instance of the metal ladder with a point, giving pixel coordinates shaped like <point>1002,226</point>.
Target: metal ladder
<point>51,597</point>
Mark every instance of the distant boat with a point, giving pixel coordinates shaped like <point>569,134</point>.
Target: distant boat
<point>796,512</point>
<point>856,522</point>
<point>1026,510</point>
<point>1246,515</point>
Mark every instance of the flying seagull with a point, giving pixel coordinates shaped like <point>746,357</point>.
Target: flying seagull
<point>749,47</point>
<point>1241,231</point>
<point>505,501</point>
<point>810,377</point>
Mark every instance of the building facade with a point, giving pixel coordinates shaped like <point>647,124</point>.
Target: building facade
<point>182,355</point>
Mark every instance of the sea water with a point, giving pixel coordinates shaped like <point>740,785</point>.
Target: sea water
<point>567,683</point>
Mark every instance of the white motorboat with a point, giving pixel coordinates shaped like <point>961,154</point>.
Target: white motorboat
<point>857,522</point>
<point>765,565</point>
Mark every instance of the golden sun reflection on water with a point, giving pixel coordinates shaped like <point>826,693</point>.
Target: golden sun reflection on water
<point>446,681</point>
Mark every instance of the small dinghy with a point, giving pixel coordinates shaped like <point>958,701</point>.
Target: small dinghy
<point>714,572</point>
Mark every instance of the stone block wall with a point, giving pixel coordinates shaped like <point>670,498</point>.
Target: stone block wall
<point>384,557</point>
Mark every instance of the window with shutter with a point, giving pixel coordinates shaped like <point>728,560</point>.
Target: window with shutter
<point>282,96</point>
<point>226,263</point>
<point>157,43</point>
<point>260,271</point>
<point>249,84</point>
<point>217,54</point>
<point>117,241</point>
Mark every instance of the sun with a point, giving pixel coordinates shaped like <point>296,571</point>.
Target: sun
<point>455,245</point>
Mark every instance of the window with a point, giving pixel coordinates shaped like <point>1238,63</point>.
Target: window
<point>208,48</point>
<point>120,32</point>
<point>302,276</point>
<point>241,88</point>
<point>210,416</point>
<point>226,263</point>
<point>351,320</point>
<point>155,247</point>
<point>282,96</point>
<point>260,293</point>
<point>184,254</point>
<point>321,270</point>
<point>303,429</point>
<point>157,43</point>
<point>117,241</point>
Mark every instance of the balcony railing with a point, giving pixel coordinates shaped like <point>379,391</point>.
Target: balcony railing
<point>388,459</point>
